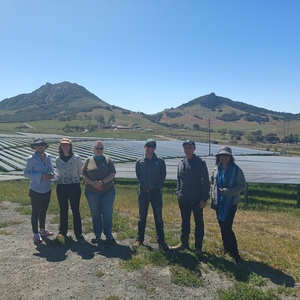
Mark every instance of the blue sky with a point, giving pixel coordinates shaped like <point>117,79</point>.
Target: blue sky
<point>148,55</point>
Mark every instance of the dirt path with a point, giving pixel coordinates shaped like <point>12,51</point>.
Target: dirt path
<point>30,271</point>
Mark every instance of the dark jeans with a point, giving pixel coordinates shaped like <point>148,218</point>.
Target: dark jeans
<point>39,204</point>
<point>186,207</point>
<point>156,202</point>
<point>66,193</point>
<point>228,236</point>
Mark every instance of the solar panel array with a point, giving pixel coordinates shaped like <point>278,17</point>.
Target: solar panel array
<point>257,165</point>
<point>14,150</point>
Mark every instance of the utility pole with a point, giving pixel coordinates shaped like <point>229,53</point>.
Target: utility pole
<point>209,152</point>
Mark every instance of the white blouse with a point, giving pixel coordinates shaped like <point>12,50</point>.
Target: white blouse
<point>69,172</point>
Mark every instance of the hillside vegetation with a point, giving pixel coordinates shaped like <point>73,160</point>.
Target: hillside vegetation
<point>70,108</point>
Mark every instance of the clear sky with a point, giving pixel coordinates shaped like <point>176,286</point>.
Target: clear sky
<point>148,55</point>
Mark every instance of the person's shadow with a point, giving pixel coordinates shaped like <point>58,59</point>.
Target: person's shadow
<point>50,251</point>
<point>56,252</point>
<point>243,271</point>
<point>87,250</point>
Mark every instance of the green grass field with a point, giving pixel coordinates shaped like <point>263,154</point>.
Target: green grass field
<point>267,231</point>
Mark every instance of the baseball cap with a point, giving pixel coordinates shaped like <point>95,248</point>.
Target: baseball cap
<point>189,142</point>
<point>150,141</point>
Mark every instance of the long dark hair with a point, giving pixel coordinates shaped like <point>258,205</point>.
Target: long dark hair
<point>61,153</point>
<point>231,161</point>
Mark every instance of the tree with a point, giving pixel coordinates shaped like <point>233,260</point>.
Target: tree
<point>271,138</point>
<point>255,136</point>
<point>292,139</point>
<point>111,119</point>
<point>223,132</point>
<point>196,127</point>
<point>100,119</point>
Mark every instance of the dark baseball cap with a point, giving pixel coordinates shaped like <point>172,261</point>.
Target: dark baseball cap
<point>189,142</point>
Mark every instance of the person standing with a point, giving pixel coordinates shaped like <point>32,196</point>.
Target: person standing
<point>192,192</point>
<point>69,170</point>
<point>40,171</point>
<point>151,174</point>
<point>99,173</point>
<point>227,182</point>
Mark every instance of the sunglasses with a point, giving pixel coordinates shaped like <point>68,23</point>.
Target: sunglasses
<point>99,148</point>
<point>151,146</point>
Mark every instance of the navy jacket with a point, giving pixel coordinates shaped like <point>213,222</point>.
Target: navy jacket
<point>192,179</point>
<point>151,173</point>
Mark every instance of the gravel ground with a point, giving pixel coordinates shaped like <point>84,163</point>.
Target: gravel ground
<point>30,271</point>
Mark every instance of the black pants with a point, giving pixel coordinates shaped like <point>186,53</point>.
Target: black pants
<point>188,206</point>
<point>39,204</point>
<point>228,236</point>
<point>72,193</point>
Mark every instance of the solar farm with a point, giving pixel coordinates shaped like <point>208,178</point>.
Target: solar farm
<point>14,149</point>
<point>259,166</point>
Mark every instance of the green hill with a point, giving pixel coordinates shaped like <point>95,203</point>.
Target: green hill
<point>49,102</point>
<point>72,103</point>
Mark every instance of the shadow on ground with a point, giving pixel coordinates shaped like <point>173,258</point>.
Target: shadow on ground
<point>54,252</point>
<point>243,271</point>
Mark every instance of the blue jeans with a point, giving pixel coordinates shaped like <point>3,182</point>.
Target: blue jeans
<point>101,206</point>
<point>156,201</point>
<point>188,206</point>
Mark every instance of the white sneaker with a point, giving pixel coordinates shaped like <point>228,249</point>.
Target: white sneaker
<point>37,238</point>
<point>45,232</point>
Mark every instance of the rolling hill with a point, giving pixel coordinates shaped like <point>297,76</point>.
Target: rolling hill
<point>69,101</point>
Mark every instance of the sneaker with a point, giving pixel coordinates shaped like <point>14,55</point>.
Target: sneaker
<point>45,232</point>
<point>198,251</point>
<point>96,239</point>
<point>37,238</point>
<point>163,247</point>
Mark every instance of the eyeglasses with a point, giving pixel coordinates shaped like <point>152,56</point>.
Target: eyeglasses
<point>151,146</point>
<point>99,148</point>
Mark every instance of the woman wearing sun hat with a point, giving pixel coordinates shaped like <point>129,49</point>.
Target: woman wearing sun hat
<point>69,171</point>
<point>40,172</point>
<point>227,182</point>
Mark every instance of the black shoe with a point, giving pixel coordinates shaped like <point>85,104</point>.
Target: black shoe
<point>198,251</point>
<point>96,240</point>
<point>79,237</point>
<point>110,241</point>
<point>163,247</point>
<point>237,260</point>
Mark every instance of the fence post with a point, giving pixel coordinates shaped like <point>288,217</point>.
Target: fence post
<point>246,196</point>
<point>298,195</point>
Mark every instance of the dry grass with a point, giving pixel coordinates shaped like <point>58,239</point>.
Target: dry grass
<point>268,238</point>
